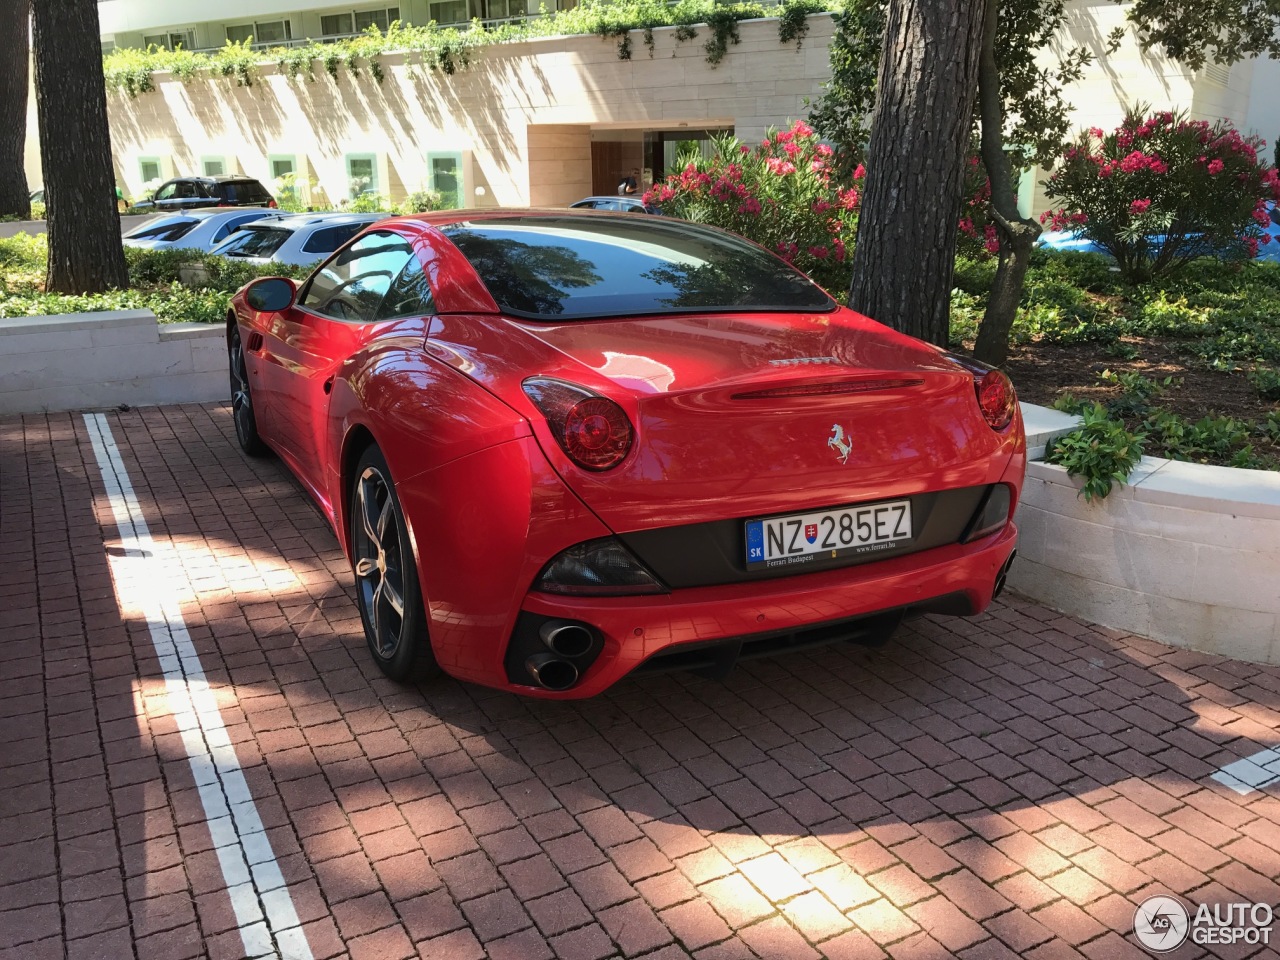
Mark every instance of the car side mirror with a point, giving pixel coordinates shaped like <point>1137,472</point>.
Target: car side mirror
<point>270,294</point>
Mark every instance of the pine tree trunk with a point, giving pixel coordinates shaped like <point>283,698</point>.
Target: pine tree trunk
<point>83,225</point>
<point>15,49</point>
<point>1017,234</point>
<point>905,254</point>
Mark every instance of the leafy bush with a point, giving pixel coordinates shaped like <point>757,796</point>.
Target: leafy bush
<point>780,194</point>
<point>1101,451</point>
<point>1267,382</point>
<point>1162,190</point>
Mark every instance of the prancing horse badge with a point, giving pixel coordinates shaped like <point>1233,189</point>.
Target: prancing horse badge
<point>840,443</point>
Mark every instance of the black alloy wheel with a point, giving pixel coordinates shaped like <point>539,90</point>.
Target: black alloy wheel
<point>387,590</point>
<point>241,399</point>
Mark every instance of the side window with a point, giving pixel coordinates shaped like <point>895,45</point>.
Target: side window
<point>166,192</point>
<point>184,190</point>
<point>410,295</point>
<point>353,283</point>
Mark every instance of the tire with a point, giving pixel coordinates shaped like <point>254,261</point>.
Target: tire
<point>241,400</point>
<point>387,589</point>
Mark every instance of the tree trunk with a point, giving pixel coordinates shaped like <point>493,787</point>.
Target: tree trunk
<point>15,19</point>
<point>905,254</point>
<point>1017,234</point>
<point>85,253</point>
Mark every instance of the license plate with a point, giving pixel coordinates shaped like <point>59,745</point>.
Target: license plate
<point>827,534</point>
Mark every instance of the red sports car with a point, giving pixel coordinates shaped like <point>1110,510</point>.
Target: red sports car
<point>562,448</point>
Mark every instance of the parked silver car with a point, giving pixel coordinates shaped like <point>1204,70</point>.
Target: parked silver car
<point>298,238</point>
<point>191,229</point>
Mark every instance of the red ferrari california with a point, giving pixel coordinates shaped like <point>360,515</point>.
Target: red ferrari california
<point>563,448</point>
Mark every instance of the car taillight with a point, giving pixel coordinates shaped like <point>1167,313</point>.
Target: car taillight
<point>271,204</point>
<point>592,430</point>
<point>996,396</point>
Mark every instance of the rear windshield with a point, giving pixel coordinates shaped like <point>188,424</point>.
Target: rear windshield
<point>573,268</point>
<point>242,191</point>
<point>167,229</point>
<point>324,242</point>
<point>254,241</point>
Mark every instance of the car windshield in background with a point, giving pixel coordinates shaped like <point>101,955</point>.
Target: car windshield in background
<point>254,241</point>
<point>167,229</point>
<point>550,268</point>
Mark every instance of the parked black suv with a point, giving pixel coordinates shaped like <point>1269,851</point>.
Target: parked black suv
<point>188,193</point>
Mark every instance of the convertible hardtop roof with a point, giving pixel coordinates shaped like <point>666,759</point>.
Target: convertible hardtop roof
<point>444,218</point>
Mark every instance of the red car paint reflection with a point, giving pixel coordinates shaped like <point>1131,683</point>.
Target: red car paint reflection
<point>548,442</point>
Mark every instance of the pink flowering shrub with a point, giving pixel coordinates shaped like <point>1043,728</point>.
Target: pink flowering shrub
<point>1161,190</point>
<point>782,194</point>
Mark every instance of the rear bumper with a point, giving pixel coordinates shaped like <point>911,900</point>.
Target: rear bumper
<point>636,629</point>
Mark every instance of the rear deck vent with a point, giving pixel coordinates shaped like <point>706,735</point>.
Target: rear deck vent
<point>827,388</point>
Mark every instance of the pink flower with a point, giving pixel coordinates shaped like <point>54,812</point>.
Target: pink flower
<point>968,229</point>
<point>745,149</point>
<point>1264,239</point>
<point>1215,166</point>
<point>859,172</point>
<point>1139,207</point>
<point>817,166</point>
<point>779,166</point>
<point>1251,245</point>
<point>1261,218</point>
<point>785,136</point>
<point>992,243</point>
<point>819,252</point>
<point>792,149</point>
<point>823,150</point>
<point>801,129</point>
<point>1097,132</point>
<point>821,206</point>
<point>840,251</point>
<point>750,206</point>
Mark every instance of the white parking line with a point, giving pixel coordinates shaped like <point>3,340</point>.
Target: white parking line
<point>1254,772</point>
<point>145,573</point>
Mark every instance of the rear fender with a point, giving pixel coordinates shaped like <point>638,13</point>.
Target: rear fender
<point>420,413</point>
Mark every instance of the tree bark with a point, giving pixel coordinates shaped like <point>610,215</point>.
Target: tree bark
<point>1017,234</point>
<point>15,49</point>
<point>904,258</point>
<point>83,225</point>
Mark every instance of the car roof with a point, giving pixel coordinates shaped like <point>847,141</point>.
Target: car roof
<point>296,221</point>
<point>444,218</point>
<point>222,178</point>
<point>602,197</point>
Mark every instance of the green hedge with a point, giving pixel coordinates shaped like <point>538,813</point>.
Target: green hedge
<point>153,278</point>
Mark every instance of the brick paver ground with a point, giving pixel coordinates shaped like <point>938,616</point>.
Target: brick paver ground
<point>1005,786</point>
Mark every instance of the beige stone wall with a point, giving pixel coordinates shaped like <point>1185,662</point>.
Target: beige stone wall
<point>520,117</point>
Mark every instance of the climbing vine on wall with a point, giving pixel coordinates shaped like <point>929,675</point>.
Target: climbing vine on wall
<point>448,49</point>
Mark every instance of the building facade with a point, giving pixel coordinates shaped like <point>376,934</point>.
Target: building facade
<point>540,122</point>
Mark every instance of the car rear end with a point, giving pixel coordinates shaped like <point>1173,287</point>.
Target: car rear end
<point>756,468</point>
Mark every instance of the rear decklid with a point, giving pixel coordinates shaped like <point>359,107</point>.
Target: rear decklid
<point>745,414</point>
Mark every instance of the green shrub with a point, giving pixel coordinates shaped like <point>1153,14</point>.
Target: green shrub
<point>1102,451</point>
<point>1201,188</point>
<point>1266,381</point>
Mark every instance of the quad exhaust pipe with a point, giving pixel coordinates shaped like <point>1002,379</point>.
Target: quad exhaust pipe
<point>566,641</point>
<point>550,672</point>
<point>1003,575</point>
